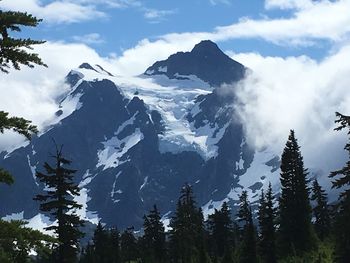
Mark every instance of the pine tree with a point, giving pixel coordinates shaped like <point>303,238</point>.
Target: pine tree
<point>58,201</point>
<point>13,51</point>
<point>20,126</point>
<point>87,254</point>
<point>101,243</point>
<point>114,246</point>
<point>128,246</point>
<point>154,248</point>
<point>17,241</point>
<point>321,213</point>
<point>187,234</point>
<point>295,229</point>
<point>221,236</point>
<point>248,244</point>
<point>266,217</point>
<point>105,246</point>
<point>342,221</point>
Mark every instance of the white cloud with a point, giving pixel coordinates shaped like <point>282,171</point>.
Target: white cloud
<point>288,4</point>
<point>92,38</point>
<point>322,20</point>
<point>31,93</point>
<point>113,3</point>
<point>216,2</point>
<point>301,94</point>
<point>157,15</point>
<point>56,11</point>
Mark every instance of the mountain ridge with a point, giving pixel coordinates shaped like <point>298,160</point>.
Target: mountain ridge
<point>136,140</point>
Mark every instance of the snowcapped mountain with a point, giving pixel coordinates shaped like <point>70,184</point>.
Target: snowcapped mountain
<point>136,140</point>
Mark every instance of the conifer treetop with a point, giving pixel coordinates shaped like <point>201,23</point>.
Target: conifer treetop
<point>14,51</point>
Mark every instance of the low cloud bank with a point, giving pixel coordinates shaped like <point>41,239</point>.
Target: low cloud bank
<point>297,93</point>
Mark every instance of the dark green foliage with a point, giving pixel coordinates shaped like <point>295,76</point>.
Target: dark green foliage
<point>128,246</point>
<point>266,217</point>
<point>342,221</point>
<point>295,232</point>
<point>105,247</point>
<point>101,243</point>
<point>20,126</point>
<point>16,241</point>
<point>153,240</point>
<point>221,235</point>
<point>247,253</point>
<point>13,51</point>
<point>87,254</point>
<point>322,222</point>
<point>58,201</point>
<point>187,234</point>
<point>228,257</point>
<point>16,124</point>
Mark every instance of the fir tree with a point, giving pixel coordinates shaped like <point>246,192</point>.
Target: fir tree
<point>87,254</point>
<point>101,243</point>
<point>321,213</point>
<point>221,236</point>
<point>114,245</point>
<point>20,126</point>
<point>342,221</point>
<point>58,201</point>
<point>248,244</point>
<point>128,246</point>
<point>266,217</point>
<point>186,236</point>
<point>14,51</point>
<point>105,246</point>
<point>294,205</point>
<point>154,249</point>
<point>11,51</point>
<point>17,241</point>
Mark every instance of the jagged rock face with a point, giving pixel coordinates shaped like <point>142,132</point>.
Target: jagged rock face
<point>136,141</point>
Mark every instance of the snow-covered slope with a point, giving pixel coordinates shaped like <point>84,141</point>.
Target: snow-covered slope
<point>136,140</point>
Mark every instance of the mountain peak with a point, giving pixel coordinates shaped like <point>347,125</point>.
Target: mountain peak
<point>86,66</point>
<point>206,61</point>
<point>206,46</point>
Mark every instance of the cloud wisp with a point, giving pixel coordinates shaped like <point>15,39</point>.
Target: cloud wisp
<point>92,38</point>
<point>296,93</point>
<point>56,11</point>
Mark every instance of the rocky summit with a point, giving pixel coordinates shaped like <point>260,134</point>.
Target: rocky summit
<point>135,141</point>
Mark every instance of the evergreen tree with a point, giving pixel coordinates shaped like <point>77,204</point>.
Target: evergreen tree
<point>114,246</point>
<point>58,201</point>
<point>105,246</point>
<point>342,221</point>
<point>20,126</point>
<point>13,51</point>
<point>321,213</point>
<point>101,243</point>
<point>17,241</point>
<point>266,217</point>
<point>295,229</point>
<point>248,244</point>
<point>87,254</point>
<point>128,246</point>
<point>154,248</point>
<point>187,234</point>
<point>221,236</point>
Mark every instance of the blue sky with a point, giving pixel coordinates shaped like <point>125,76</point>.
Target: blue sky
<point>113,26</point>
